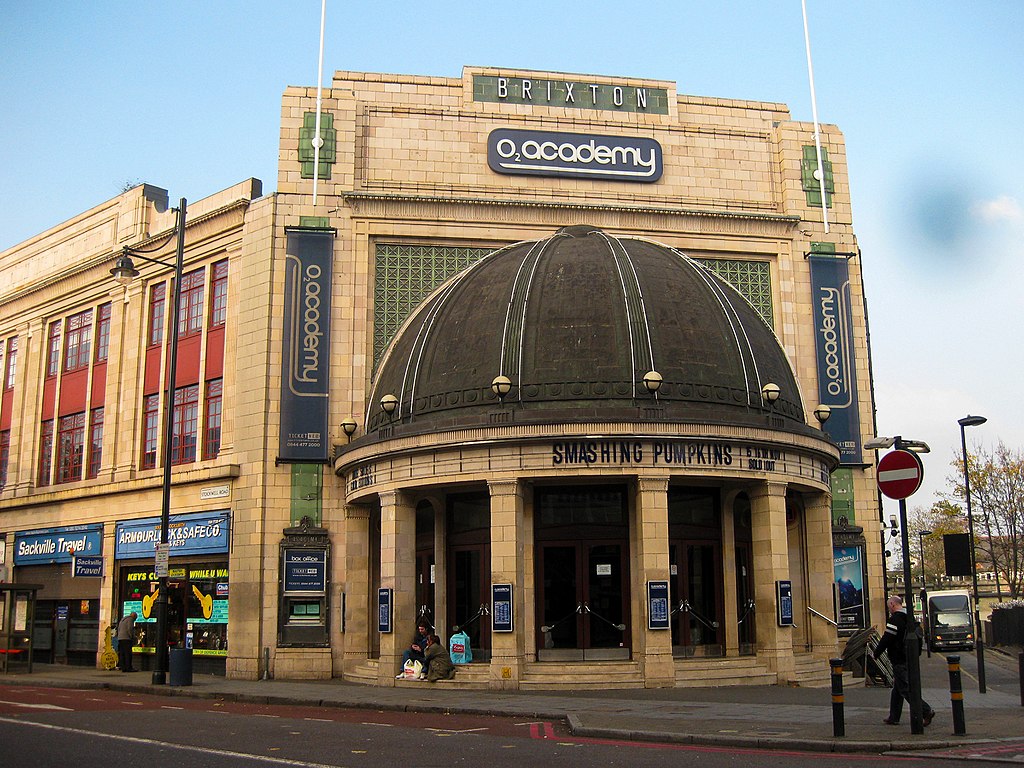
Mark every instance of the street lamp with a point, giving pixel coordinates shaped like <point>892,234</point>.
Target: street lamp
<point>920,538</point>
<point>979,643</point>
<point>910,640</point>
<point>124,271</point>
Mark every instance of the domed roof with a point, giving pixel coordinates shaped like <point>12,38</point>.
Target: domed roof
<point>575,322</point>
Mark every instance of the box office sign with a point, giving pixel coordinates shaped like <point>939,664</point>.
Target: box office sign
<point>192,534</point>
<point>305,570</point>
<point>57,545</point>
<point>305,358</point>
<point>574,155</point>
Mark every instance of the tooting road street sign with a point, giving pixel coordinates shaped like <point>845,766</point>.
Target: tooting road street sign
<point>899,474</point>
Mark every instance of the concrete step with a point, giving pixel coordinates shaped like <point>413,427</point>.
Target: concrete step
<point>711,673</point>
<point>543,675</point>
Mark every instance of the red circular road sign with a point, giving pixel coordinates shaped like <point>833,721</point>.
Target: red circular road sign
<point>900,474</point>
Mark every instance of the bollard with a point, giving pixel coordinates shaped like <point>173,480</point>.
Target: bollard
<point>956,695</point>
<point>838,720</point>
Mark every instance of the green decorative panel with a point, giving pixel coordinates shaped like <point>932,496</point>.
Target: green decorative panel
<point>328,152</point>
<point>405,276</point>
<point>315,222</point>
<point>753,279</point>
<point>307,493</point>
<point>811,186</point>
<point>842,497</point>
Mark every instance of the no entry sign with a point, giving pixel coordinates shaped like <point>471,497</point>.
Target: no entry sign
<point>899,474</point>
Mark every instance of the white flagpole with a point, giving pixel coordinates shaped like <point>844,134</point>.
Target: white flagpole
<point>317,141</point>
<point>814,113</point>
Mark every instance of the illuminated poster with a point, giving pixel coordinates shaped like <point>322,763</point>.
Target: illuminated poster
<point>849,575</point>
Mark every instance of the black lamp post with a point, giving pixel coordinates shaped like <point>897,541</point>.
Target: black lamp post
<point>979,643</point>
<point>920,539</point>
<point>124,271</point>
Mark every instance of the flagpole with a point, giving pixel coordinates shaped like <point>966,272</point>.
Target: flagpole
<point>814,114</point>
<point>317,141</point>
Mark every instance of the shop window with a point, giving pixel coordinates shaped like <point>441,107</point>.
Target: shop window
<point>157,302</point>
<point>78,341</point>
<point>12,362</point>
<point>219,294</point>
<point>150,430</point>
<point>45,453</point>
<point>95,443</point>
<point>103,332</point>
<point>190,308</point>
<point>5,455</point>
<point>53,349</point>
<point>186,423</point>
<point>211,430</point>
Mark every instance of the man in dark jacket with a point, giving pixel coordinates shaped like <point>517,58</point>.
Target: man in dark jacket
<point>894,643</point>
<point>125,641</point>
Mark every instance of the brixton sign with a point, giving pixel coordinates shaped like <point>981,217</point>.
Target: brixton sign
<point>900,474</point>
<point>579,155</point>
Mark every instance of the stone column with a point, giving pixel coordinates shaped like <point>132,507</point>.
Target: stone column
<point>651,647</point>
<point>397,571</point>
<point>820,572</point>
<point>729,586</point>
<point>771,564</point>
<point>507,547</point>
<point>356,642</point>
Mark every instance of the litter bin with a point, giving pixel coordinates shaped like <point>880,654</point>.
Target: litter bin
<point>180,663</point>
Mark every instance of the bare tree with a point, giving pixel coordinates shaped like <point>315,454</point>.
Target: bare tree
<point>997,501</point>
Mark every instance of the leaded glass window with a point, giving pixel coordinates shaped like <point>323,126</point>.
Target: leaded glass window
<point>753,279</point>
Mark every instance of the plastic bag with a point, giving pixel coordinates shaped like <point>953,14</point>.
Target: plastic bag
<point>413,669</point>
<point>458,648</point>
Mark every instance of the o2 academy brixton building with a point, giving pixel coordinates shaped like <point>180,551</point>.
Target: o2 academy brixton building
<point>571,363</point>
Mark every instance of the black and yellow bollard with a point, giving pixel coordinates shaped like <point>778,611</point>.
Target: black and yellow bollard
<point>838,718</point>
<point>956,695</point>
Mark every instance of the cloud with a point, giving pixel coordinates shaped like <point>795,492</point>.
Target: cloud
<point>1004,208</point>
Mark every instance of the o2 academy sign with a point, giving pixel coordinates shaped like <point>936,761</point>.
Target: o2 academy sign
<point>579,155</point>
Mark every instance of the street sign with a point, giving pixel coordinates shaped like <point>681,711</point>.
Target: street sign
<point>163,554</point>
<point>900,474</point>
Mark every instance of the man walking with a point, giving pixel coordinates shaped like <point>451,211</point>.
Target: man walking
<point>893,643</point>
<point>126,641</point>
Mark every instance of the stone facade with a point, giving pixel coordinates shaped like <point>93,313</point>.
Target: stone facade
<point>405,163</point>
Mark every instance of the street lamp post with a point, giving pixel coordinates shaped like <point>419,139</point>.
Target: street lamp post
<point>979,642</point>
<point>924,585</point>
<point>910,640</point>
<point>123,271</point>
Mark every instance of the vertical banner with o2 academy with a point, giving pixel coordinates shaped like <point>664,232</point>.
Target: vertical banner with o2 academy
<point>833,332</point>
<point>305,360</point>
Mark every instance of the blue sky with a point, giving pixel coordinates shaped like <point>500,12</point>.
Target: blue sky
<point>929,96</point>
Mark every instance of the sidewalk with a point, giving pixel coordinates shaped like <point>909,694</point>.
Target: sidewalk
<point>762,717</point>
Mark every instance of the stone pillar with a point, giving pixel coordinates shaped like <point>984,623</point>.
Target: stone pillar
<point>820,573</point>
<point>771,564</point>
<point>729,587</point>
<point>356,642</point>
<point>398,572</point>
<point>651,647</point>
<point>507,563</point>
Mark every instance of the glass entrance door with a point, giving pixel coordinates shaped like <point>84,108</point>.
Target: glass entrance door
<point>583,602</point>
<point>696,599</point>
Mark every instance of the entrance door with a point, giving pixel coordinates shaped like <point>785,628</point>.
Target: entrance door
<point>582,601</point>
<point>696,600</point>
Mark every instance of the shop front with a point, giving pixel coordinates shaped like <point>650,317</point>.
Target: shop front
<point>197,584</point>
<point>65,623</point>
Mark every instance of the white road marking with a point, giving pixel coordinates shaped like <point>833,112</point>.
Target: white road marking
<point>36,706</point>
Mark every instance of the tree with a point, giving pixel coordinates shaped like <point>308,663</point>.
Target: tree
<point>997,502</point>
<point>941,518</point>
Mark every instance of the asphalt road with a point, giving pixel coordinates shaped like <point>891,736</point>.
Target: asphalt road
<point>48,727</point>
